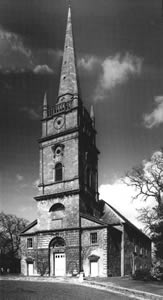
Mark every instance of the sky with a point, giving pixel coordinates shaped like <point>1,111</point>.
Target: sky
<point>119,52</point>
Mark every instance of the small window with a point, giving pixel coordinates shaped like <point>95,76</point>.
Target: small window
<point>29,243</point>
<point>58,172</point>
<point>93,237</point>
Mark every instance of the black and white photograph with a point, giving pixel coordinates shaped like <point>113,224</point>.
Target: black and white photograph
<point>81,149</point>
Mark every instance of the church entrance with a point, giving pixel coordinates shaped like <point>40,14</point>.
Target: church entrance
<point>59,264</point>
<point>57,257</point>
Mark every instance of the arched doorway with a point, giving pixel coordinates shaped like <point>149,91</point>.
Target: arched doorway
<point>57,257</point>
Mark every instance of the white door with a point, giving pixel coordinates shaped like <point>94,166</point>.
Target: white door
<point>60,264</point>
<point>94,268</point>
<point>30,269</point>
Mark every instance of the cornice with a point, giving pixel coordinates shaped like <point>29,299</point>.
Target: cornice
<point>56,195</point>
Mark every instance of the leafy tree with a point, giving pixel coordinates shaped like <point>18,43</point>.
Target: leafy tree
<point>147,180</point>
<point>10,228</point>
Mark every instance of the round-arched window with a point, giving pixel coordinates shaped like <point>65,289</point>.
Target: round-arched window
<point>56,207</point>
<point>57,242</point>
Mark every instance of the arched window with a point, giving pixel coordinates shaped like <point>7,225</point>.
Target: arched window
<point>57,242</point>
<point>56,207</point>
<point>58,172</point>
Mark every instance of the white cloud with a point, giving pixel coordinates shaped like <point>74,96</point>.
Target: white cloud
<point>155,118</point>
<point>15,42</point>
<point>119,195</point>
<point>13,51</point>
<point>116,70</point>
<point>16,56</point>
<point>36,183</point>
<point>19,177</point>
<point>32,113</point>
<point>42,69</point>
<point>88,62</point>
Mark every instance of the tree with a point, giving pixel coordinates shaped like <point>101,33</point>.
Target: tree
<point>147,181</point>
<point>10,228</point>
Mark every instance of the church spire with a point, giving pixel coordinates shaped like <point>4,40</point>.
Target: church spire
<point>68,78</point>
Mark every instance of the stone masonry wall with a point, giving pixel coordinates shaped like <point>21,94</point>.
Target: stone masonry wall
<point>99,249</point>
<point>114,252</point>
<point>40,253</point>
<point>137,251</point>
<point>69,160</point>
<point>69,217</point>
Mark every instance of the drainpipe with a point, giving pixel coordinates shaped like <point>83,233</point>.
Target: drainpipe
<point>122,251</point>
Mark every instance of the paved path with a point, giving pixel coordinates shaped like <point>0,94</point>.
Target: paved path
<point>144,286</point>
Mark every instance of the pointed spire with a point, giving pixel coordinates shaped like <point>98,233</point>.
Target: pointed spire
<point>92,115</point>
<point>45,106</point>
<point>68,78</point>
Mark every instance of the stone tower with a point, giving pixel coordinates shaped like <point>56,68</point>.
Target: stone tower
<point>68,154</point>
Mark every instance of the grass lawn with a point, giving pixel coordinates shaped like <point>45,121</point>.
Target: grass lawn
<point>28,290</point>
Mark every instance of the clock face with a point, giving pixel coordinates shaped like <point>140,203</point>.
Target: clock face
<point>58,122</point>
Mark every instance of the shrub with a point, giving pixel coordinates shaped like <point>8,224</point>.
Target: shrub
<point>157,273</point>
<point>142,274</point>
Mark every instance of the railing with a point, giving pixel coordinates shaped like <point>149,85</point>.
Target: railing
<point>61,107</point>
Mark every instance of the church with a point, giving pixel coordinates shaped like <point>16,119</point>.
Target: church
<point>75,231</point>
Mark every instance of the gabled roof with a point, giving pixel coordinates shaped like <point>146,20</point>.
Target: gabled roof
<point>93,219</point>
<point>124,220</point>
<point>31,225</point>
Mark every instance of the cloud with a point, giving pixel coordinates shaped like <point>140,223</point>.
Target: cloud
<point>36,183</point>
<point>15,42</point>
<point>32,113</point>
<point>116,70</point>
<point>155,118</point>
<point>19,177</point>
<point>88,62</point>
<point>15,56</point>
<point>13,52</point>
<point>120,196</point>
<point>43,69</point>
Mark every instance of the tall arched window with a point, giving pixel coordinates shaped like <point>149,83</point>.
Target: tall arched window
<point>58,172</point>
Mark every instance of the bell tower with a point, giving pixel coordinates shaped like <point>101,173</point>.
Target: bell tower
<point>68,153</point>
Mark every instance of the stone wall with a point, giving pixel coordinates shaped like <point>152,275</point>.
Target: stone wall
<point>68,217</point>
<point>42,253</point>
<point>69,160</point>
<point>99,249</point>
<point>114,252</point>
<point>137,251</point>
